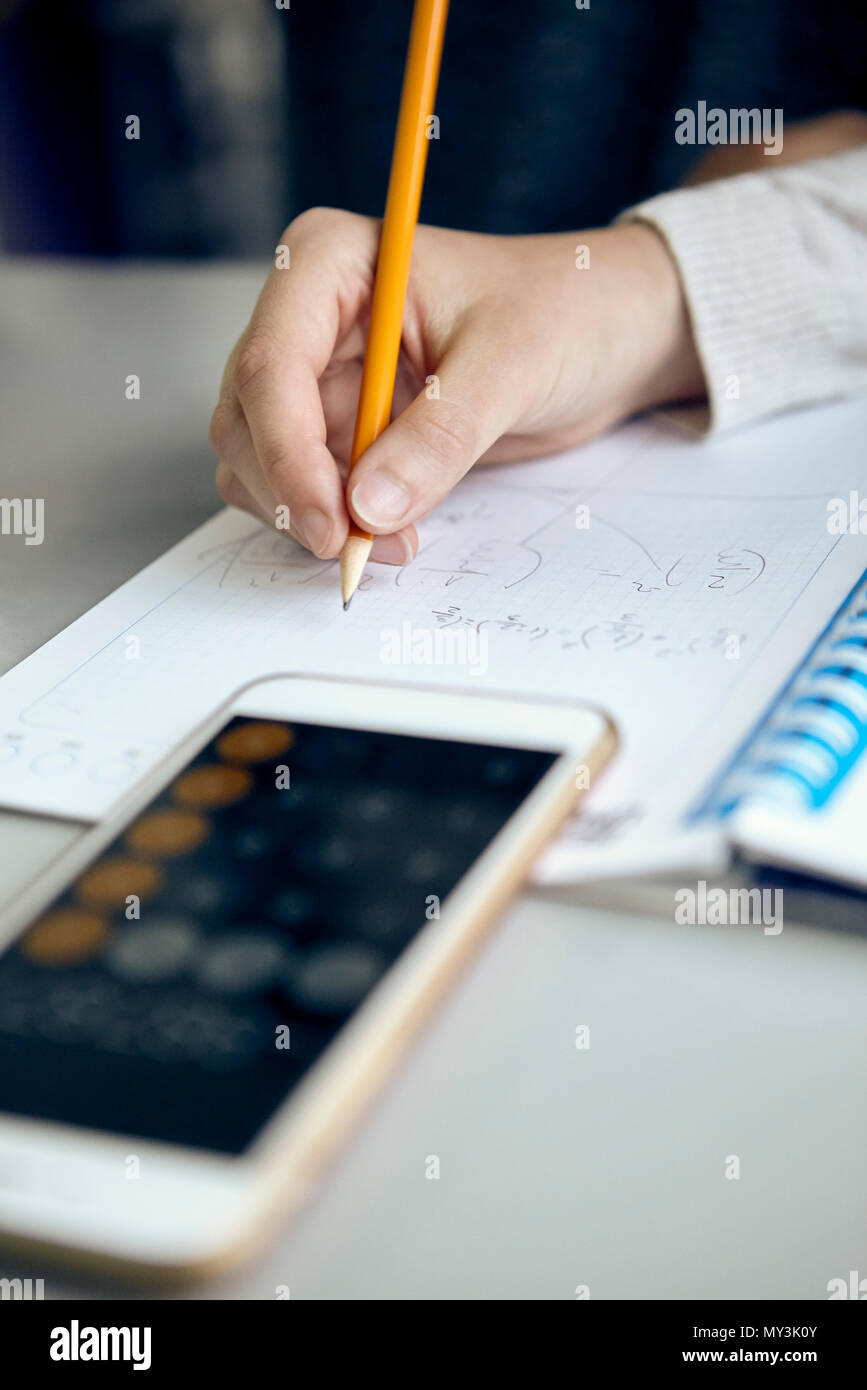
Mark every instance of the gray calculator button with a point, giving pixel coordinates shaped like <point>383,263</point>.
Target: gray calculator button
<point>334,855</point>
<point>154,950</point>
<point>75,1009</point>
<point>192,1031</point>
<point>423,866</point>
<point>333,979</point>
<point>208,893</point>
<point>243,963</point>
<point>296,797</point>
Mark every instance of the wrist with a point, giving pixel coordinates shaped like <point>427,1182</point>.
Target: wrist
<point>665,366</point>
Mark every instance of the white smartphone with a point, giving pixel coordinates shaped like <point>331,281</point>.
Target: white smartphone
<point>202,995</point>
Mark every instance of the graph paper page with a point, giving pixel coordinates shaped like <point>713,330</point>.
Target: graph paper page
<point>671,582</point>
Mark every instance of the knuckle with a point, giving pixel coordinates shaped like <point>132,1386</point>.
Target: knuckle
<point>314,221</point>
<point>447,431</point>
<point>334,231</point>
<point>255,360</point>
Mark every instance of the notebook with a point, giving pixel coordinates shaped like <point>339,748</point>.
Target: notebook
<point>672,582</point>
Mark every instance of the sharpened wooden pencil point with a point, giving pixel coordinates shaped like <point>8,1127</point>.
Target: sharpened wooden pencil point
<point>353,558</point>
<point>346,605</point>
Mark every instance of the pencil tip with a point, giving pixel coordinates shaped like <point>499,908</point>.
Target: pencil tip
<point>346,604</point>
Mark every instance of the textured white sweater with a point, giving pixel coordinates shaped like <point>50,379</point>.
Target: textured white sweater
<point>774,269</point>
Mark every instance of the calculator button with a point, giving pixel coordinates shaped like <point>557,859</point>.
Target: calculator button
<point>110,882</point>
<point>189,1030</point>
<point>372,808</point>
<point>74,1011</point>
<point>330,854</point>
<point>423,865</point>
<point>156,950</point>
<point>333,854</point>
<point>243,963</point>
<point>292,907</point>
<point>207,893</point>
<point>379,806</point>
<point>64,937</point>
<point>255,743</point>
<point>239,1038</point>
<point>120,1028</point>
<point>333,979</point>
<point>22,1001</point>
<point>167,831</point>
<point>212,787</point>
<point>252,842</point>
<point>299,796</point>
<point>18,1010</point>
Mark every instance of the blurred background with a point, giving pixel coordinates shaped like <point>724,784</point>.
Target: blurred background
<point>207,79</point>
<point>552,118</point>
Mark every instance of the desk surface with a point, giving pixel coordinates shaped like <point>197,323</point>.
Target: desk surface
<point>559,1167</point>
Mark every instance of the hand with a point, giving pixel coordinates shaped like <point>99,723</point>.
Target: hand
<point>509,351</point>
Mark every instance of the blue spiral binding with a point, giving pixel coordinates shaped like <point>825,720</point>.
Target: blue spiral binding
<point>815,732</point>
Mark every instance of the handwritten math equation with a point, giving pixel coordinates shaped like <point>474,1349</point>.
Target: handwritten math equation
<point>611,635</point>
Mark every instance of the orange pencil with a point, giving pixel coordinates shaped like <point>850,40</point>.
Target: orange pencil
<point>395,252</point>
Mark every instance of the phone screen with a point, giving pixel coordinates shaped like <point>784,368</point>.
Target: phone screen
<point>190,977</point>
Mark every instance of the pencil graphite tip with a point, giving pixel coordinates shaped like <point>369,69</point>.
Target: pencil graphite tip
<point>346,604</point>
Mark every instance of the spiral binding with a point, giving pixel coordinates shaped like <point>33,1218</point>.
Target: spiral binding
<point>817,729</point>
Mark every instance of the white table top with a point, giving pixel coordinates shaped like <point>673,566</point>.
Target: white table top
<point>559,1167</point>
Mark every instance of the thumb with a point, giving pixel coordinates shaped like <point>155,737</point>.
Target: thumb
<point>418,459</point>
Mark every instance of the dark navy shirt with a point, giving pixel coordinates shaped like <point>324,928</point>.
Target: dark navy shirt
<point>551,117</point>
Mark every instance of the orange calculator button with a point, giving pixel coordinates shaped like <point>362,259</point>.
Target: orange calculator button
<point>168,831</point>
<point>255,743</point>
<point>112,881</point>
<point>64,937</point>
<point>212,786</point>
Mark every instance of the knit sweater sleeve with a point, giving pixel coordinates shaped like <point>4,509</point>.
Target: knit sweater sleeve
<point>774,270</point>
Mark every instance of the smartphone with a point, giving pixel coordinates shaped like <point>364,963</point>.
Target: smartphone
<point>202,995</point>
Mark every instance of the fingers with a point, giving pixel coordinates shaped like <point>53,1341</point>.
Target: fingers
<point>289,397</point>
<point>281,456</point>
<point>235,494</point>
<point>400,548</point>
<point>417,461</point>
<point>279,395</point>
<point>232,444</point>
